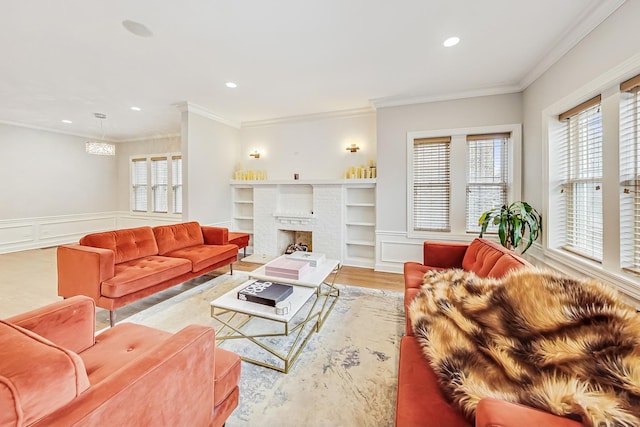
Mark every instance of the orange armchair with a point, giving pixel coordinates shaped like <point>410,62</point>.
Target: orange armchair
<point>53,372</point>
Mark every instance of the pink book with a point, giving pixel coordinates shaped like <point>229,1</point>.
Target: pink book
<point>288,268</point>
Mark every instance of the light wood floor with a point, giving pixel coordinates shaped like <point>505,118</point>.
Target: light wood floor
<point>28,280</point>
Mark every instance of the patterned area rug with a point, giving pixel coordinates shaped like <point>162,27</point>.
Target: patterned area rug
<point>345,376</point>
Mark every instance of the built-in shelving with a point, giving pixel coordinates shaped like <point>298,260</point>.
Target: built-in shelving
<point>243,212</point>
<point>360,225</point>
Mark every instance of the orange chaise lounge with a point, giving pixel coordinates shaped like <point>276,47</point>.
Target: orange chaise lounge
<point>55,372</point>
<point>118,267</point>
<point>420,402</point>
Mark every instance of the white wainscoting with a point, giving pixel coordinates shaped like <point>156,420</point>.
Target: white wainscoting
<point>43,232</point>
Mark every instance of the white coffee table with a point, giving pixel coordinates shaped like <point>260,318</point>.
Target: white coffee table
<point>234,313</point>
<point>326,292</point>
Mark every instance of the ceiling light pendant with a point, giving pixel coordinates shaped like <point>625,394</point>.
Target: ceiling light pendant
<point>451,41</point>
<point>100,148</point>
<point>231,85</point>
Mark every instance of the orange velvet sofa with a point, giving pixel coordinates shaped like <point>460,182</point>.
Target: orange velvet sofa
<point>55,372</point>
<point>420,401</point>
<point>118,267</point>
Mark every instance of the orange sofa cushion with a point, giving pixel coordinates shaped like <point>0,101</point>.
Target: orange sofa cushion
<point>420,401</point>
<point>481,256</point>
<point>177,236</point>
<point>132,276</point>
<point>36,376</point>
<point>122,343</point>
<point>226,375</point>
<point>204,256</point>
<point>127,244</point>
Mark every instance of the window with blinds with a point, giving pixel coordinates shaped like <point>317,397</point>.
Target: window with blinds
<point>139,185</point>
<point>630,174</point>
<point>159,184</point>
<point>156,184</point>
<point>431,184</point>
<point>487,176</point>
<point>176,183</point>
<point>580,147</point>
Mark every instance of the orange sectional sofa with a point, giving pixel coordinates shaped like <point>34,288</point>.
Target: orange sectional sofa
<point>118,267</point>
<point>55,372</point>
<point>419,400</point>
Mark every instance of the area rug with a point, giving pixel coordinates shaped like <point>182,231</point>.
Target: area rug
<point>345,376</point>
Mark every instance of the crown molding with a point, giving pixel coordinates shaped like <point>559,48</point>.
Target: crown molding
<point>58,131</point>
<point>203,112</point>
<point>584,24</point>
<point>150,137</point>
<point>357,112</point>
<point>399,101</point>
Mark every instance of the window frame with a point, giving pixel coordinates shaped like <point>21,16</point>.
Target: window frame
<point>458,156</point>
<point>148,160</point>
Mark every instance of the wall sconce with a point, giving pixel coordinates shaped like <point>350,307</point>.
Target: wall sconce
<point>353,148</point>
<point>255,154</point>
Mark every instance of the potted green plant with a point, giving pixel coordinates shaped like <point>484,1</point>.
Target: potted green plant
<point>513,221</point>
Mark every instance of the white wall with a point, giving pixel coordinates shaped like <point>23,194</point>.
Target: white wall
<point>209,153</point>
<point>315,147</point>
<point>46,174</point>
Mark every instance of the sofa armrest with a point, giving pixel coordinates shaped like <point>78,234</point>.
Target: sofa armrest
<point>70,323</point>
<point>499,413</point>
<point>82,269</point>
<point>172,384</point>
<point>444,254</point>
<point>215,235</point>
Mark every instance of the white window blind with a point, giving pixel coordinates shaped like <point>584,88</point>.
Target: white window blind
<point>139,184</point>
<point>580,146</point>
<point>487,176</point>
<point>630,174</point>
<point>431,184</point>
<point>159,184</point>
<point>176,183</point>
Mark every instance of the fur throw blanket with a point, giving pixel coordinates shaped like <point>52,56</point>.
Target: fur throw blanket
<point>569,347</point>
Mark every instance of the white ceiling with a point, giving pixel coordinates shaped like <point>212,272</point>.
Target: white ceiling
<point>67,59</point>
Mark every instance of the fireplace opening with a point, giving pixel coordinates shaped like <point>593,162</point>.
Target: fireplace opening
<point>290,241</point>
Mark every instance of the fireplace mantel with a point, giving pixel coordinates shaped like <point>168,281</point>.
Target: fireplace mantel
<point>340,214</point>
<point>303,182</point>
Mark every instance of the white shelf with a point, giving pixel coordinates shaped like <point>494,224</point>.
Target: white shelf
<point>243,210</point>
<point>360,223</point>
<point>361,242</point>
<point>364,205</point>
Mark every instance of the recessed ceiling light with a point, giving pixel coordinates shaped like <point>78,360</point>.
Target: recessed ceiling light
<point>67,121</point>
<point>451,41</point>
<point>136,108</point>
<point>137,28</point>
<point>231,85</point>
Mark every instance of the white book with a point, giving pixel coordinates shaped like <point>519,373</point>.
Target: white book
<point>314,259</point>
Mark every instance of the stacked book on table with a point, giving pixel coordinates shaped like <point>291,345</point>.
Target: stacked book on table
<point>265,292</point>
<point>314,259</point>
<point>287,268</point>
